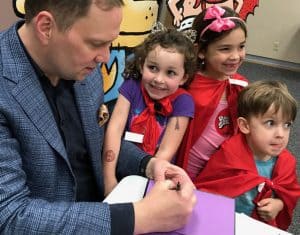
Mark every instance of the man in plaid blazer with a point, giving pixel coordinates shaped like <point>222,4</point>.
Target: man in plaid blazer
<point>50,140</point>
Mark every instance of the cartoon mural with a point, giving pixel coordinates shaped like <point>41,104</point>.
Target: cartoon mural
<point>184,11</point>
<point>138,18</point>
<point>18,6</point>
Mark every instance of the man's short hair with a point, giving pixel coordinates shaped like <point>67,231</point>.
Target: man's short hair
<point>66,12</point>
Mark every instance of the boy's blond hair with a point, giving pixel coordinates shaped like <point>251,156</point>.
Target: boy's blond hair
<point>257,98</point>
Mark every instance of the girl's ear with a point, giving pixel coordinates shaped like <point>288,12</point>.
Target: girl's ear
<point>243,125</point>
<point>200,53</point>
<point>140,68</point>
<point>183,80</point>
<point>196,46</point>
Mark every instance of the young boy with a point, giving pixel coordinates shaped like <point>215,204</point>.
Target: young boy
<point>254,166</point>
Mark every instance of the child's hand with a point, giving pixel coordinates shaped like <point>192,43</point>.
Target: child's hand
<point>269,208</point>
<point>109,185</point>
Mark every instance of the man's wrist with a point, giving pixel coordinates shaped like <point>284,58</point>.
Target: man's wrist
<point>143,165</point>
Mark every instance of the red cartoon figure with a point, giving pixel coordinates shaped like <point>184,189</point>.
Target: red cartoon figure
<point>184,11</point>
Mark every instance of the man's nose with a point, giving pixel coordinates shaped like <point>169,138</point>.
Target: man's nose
<point>103,55</point>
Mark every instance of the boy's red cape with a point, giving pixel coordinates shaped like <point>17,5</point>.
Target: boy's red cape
<point>207,93</point>
<point>231,171</point>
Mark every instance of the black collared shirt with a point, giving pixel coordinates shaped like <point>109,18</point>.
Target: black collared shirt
<point>62,101</point>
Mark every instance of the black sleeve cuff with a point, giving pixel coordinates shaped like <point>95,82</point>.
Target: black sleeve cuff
<point>122,219</point>
<point>143,165</point>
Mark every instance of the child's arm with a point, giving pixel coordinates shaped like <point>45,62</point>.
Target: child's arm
<point>112,142</point>
<point>172,137</point>
<point>269,208</point>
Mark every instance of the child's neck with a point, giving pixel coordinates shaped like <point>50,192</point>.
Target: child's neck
<point>214,76</point>
<point>262,158</point>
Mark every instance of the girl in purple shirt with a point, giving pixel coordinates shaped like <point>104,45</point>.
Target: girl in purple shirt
<point>152,107</point>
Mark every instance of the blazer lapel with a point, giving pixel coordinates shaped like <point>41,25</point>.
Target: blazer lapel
<point>28,92</point>
<point>88,100</point>
<point>31,97</point>
<point>89,97</point>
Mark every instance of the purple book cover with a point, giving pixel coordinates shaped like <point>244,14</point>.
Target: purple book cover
<point>212,215</point>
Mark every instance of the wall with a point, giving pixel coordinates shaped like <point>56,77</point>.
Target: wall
<point>274,30</point>
<point>7,15</point>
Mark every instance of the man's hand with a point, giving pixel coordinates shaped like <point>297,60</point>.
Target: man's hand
<point>165,209</point>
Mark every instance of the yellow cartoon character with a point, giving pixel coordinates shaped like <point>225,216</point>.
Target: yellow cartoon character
<point>19,9</point>
<point>138,19</point>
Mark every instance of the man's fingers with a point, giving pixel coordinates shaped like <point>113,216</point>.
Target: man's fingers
<point>169,184</point>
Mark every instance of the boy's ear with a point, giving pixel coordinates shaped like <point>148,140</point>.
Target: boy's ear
<point>243,125</point>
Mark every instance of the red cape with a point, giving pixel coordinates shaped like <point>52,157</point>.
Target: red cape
<point>146,122</point>
<point>207,93</point>
<point>231,171</point>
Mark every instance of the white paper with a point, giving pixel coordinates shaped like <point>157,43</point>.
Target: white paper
<point>130,189</point>
<point>245,225</point>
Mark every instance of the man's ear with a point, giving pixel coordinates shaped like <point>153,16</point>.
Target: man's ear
<point>44,24</point>
<point>243,125</point>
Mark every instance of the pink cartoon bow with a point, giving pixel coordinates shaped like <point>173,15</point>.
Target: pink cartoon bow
<point>214,12</point>
<point>219,24</point>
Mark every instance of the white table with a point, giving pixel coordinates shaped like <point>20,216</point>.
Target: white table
<point>132,188</point>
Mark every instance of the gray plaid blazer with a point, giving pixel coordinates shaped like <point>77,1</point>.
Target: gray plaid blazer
<point>37,189</point>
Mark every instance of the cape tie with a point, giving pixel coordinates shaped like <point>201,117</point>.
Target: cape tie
<point>145,123</point>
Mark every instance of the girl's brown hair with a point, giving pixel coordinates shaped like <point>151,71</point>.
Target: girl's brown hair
<point>168,39</point>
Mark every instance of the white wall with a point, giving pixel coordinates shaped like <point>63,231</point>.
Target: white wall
<point>274,30</point>
<point>7,15</point>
